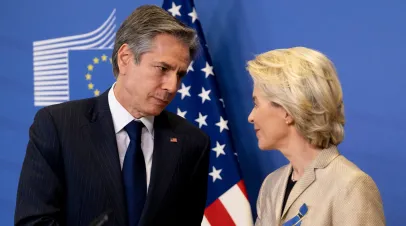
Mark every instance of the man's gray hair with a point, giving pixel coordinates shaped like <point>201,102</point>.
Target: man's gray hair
<point>141,27</point>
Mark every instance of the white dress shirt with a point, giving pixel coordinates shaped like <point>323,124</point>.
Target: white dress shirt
<point>121,117</point>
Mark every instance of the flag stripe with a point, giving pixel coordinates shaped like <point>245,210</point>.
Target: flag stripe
<point>62,56</point>
<point>77,43</point>
<point>51,77</point>
<point>217,214</point>
<point>56,82</point>
<point>50,72</point>
<point>45,103</point>
<point>53,88</point>
<point>241,184</point>
<point>49,98</point>
<point>205,222</point>
<point>75,37</point>
<point>50,93</point>
<point>237,205</point>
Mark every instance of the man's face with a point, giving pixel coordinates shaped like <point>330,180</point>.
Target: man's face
<point>148,87</point>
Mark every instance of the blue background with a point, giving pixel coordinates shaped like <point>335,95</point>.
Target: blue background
<point>365,39</point>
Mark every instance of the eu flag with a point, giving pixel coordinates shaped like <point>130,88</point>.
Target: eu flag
<point>90,72</point>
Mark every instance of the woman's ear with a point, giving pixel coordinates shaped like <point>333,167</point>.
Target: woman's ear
<point>288,118</point>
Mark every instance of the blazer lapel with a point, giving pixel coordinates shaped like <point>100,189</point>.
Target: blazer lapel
<point>322,160</point>
<point>166,154</point>
<point>100,130</point>
<point>301,185</point>
<point>281,192</point>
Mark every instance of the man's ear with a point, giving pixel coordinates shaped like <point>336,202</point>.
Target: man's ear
<point>124,58</point>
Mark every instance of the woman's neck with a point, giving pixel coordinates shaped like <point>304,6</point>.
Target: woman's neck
<point>300,154</point>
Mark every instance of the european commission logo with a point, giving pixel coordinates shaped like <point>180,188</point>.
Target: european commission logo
<point>74,67</point>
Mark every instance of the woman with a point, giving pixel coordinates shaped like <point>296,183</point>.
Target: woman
<point>298,110</point>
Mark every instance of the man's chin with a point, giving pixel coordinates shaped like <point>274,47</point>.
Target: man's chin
<point>156,111</point>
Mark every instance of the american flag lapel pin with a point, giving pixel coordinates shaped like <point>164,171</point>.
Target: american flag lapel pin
<point>174,139</point>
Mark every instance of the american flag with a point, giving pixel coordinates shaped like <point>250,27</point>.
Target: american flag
<point>199,101</point>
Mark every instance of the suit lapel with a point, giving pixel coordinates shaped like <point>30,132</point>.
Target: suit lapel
<point>166,154</point>
<point>281,192</point>
<point>322,160</point>
<point>100,130</point>
<point>301,185</point>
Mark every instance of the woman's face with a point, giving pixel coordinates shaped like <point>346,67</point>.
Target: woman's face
<point>270,122</point>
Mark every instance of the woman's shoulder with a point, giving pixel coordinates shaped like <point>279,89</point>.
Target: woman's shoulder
<point>272,181</point>
<point>276,175</point>
<point>347,172</point>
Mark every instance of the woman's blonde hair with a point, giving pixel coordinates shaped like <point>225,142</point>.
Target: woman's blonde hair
<point>305,83</point>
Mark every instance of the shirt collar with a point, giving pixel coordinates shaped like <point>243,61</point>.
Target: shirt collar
<point>121,117</point>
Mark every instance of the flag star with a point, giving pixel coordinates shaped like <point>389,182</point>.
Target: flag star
<point>184,91</point>
<point>216,174</point>
<point>175,9</point>
<point>204,95</point>
<point>222,124</point>
<point>201,120</point>
<point>104,57</point>
<point>190,68</point>
<point>90,86</point>
<point>96,92</point>
<point>219,149</point>
<point>181,113</point>
<point>222,101</point>
<point>96,60</point>
<point>90,67</point>
<point>88,76</point>
<point>208,70</point>
<point>193,14</point>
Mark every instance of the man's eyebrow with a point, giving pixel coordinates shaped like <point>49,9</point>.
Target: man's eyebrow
<point>181,73</point>
<point>165,64</point>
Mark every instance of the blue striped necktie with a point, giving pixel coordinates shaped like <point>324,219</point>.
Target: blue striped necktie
<point>134,174</point>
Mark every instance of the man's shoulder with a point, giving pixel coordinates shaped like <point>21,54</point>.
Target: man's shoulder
<point>68,109</point>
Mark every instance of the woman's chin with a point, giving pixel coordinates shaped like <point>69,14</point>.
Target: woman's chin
<point>263,147</point>
<point>266,146</point>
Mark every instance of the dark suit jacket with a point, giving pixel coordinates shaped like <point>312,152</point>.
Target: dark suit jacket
<point>71,172</point>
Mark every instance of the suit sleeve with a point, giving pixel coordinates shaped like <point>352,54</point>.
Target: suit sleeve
<point>196,201</point>
<point>39,194</point>
<point>260,207</point>
<point>359,204</point>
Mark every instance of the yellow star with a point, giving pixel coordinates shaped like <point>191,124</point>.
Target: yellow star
<point>96,60</point>
<point>90,86</point>
<point>96,92</point>
<point>88,76</point>
<point>104,57</point>
<point>90,67</point>
<point>110,61</point>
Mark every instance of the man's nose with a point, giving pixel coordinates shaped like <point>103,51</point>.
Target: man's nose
<point>171,83</point>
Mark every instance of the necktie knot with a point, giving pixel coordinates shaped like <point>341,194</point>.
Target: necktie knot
<point>134,129</point>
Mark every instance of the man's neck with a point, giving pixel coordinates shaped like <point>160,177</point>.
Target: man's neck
<point>123,98</point>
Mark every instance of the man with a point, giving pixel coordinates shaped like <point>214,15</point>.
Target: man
<point>84,158</point>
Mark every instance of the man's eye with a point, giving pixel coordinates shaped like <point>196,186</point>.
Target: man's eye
<point>162,68</point>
